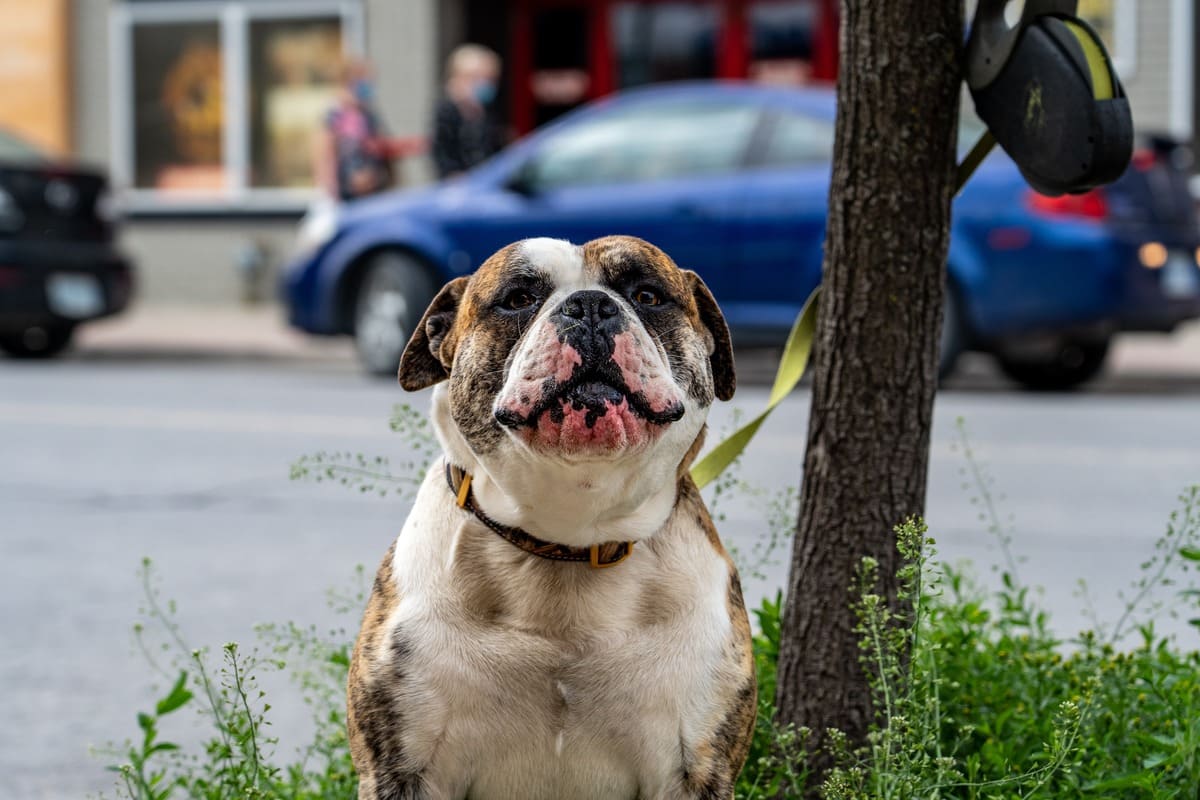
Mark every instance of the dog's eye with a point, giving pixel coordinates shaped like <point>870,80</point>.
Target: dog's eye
<point>518,299</point>
<point>647,297</point>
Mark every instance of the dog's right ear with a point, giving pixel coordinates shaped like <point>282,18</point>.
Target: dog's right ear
<point>426,359</point>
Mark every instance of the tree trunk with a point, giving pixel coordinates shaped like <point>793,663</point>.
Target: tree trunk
<point>876,344</point>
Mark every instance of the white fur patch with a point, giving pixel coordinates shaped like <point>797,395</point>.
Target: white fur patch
<point>559,259</point>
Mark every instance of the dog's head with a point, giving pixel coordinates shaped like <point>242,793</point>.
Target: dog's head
<point>568,354</point>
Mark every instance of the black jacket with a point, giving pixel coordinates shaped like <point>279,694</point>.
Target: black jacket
<point>461,142</point>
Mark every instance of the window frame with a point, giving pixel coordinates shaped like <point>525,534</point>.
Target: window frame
<point>233,19</point>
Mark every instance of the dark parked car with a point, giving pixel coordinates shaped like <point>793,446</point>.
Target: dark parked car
<point>58,264</point>
<point>732,181</point>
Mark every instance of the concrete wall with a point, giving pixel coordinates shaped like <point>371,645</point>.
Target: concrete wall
<point>1149,85</point>
<point>194,260</point>
<point>90,93</point>
<point>402,42</point>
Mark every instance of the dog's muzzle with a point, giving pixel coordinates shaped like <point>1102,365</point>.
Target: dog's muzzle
<point>588,378</point>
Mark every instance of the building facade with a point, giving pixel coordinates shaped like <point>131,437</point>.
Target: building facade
<point>203,111</point>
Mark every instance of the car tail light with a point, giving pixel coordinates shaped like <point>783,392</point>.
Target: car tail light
<point>1089,205</point>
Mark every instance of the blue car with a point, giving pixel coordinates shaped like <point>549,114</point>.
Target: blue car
<point>733,181</point>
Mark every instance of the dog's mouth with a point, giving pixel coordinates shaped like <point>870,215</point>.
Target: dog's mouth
<point>594,393</point>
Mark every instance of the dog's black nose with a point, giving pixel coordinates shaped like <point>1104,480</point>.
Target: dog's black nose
<point>588,320</point>
<point>590,304</point>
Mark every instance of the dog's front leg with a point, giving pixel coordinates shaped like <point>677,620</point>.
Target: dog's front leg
<point>388,769</point>
<point>392,748</point>
<point>396,757</point>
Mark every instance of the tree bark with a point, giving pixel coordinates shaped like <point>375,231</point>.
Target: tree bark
<point>876,344</point>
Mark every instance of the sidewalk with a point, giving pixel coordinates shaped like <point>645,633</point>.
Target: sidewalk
<point>203,332</point>
<point>261,333</point>
<point>1157,354</point>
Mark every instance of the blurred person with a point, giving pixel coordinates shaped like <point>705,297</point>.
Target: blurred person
<point>354,154</point>
<point>465,131</point>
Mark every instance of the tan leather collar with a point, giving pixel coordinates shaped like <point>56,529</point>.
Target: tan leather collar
<point>598,556</point>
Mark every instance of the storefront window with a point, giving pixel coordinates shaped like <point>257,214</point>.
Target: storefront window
<point>178,98</point>
<point>664,41</point>
<point>224,99</point>
<point>293,83</point>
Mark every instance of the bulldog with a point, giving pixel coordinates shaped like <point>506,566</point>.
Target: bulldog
<point>558,619</point>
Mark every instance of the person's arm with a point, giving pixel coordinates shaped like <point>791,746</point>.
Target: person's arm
<point>325,162</point>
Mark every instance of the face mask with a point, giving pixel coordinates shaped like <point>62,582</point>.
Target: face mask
<point>363,91</point>
<point>485,92</point>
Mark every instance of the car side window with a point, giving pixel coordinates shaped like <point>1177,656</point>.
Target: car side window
<point>643,144</point>
<point>796,139</point>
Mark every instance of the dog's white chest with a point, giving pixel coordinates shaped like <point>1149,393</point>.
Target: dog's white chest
<point>535,720</point>
<point>536,736</point>
<point>570,689</point>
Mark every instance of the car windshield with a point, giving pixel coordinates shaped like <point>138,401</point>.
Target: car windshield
<point>14,149</point>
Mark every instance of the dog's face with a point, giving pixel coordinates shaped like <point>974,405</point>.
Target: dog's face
<point>555,351</point>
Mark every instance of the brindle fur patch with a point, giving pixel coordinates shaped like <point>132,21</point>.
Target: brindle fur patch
<point>689,457</point>
<point>374,717</point>
<point>711,770</point>
<point>483,344</point>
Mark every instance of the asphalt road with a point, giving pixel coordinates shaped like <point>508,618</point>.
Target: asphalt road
<point>103,462</point>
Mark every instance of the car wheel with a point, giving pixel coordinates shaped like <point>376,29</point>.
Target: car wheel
<point>38,341</point>
<point>1073,364</point>
<point>393,294</point>
<point>953,341</point>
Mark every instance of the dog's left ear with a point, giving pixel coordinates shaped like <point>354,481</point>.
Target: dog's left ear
<point>721,355</point>
<point>426,361</point>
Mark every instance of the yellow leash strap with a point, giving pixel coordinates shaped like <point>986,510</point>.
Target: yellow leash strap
<point>791,369</point>
<point>974,158</point>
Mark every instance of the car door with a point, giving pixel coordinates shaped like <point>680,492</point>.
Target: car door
<point>776,246</point>
<point>668,172</point>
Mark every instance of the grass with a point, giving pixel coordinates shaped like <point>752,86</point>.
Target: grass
<point>974,696</point>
